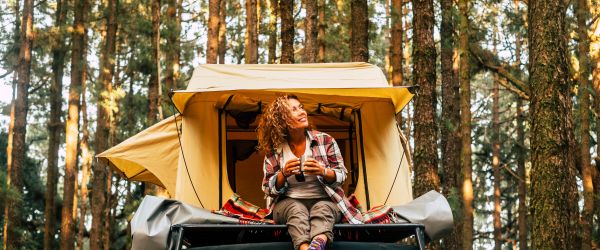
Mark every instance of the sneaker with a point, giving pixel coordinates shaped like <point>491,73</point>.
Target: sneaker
<point>317,244</point>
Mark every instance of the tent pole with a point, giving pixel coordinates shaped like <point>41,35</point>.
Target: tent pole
<point>364,166</point>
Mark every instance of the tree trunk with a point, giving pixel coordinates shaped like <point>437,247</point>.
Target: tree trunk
<point>154,85</point>
<point>396,43</point>
<point>72,127</point>
<point>465,124</point>
<point>286,11</point>
<point>107,211</point>
<point>12,213</point>
<point>173,48</point>
<point>450,140</point>
<point>86,157</point>
<point>359,31</point>
<point>553,208</point>
<point>587,215</point>
<point>99,181</point>
<point>522,175</point>
<point>154,109</point>
<point>311,47</point>
<point>251,41</point>
<point>272,50</point>
<point>425,155</point>
<point>522,191</point>
<point>496,162</point>
<point>596,86</point>
<point>321,31</point>
<point>213,31</point>
<point>54,125</point>
<point>222,32</point>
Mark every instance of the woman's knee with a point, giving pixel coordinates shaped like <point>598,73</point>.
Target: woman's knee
<point>289,208</point>
<point>325,208</point>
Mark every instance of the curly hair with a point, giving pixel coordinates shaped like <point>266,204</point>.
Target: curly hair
<point>273,126</point>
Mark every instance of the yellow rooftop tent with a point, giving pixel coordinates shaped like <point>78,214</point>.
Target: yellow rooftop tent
<point>351,101</point>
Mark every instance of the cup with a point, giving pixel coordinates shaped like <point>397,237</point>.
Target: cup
<point>300,176</point>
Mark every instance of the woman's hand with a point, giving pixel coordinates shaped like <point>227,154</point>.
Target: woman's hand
<point>291,167</point>
<point>313,167</point>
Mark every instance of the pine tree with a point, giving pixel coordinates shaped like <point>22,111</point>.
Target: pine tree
<point>553,189</point>
<point>272,46</point>
<point>587,216</point>
<point>55,125</point>
<point>72,127</point>
<point>103,118</point>
<point>13,234</point>
<point>425,154</point>
<point>286,9</point>
<point>465,124</point>
<point>359,39</point>
<point>396,43</point>
<point>311,23</point>
<point>213,31</point>
<point>450,121</point>
<point>251,40</point>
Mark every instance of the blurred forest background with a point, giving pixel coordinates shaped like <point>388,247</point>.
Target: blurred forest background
<point>505,123</point>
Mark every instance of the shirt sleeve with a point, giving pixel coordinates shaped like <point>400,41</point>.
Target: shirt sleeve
<point>336,162</point>
<point>270,169</point>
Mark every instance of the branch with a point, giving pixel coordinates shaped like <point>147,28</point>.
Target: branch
<point>518,86</point>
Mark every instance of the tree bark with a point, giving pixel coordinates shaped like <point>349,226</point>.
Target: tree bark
<point>173,48</point>
<point>587,215</point>
<point>11,123</point>
<point>522,191</point>
<point>465,124</point>
<point>251,41</point>
<point>154,107</point>
<point>396,43</point>
<point>450,140</point>
<point>99,181</point>
<point>311,46</point>
<point>86,156</point>
<point>154,85</point>
<point>13,232</point>
<point>522,220</point>
<point>72,127</point>
<point>213,31</point>
<point>595,43</point>
<point>425,155</point>
<point>359,31</point>
<point>553,189</point>
<point>286,11</point>
<point>272,50</point>
<point>222,32</point>
<point>321,31</point>
<point>496,163</point>
<point>59,51</point>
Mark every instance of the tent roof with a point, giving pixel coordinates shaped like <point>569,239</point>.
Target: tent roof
<point>341,80</point>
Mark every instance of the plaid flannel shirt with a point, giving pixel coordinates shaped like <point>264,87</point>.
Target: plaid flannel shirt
<point>326,151</point>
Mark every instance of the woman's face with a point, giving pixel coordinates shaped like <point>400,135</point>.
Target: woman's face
<point>299,116</point>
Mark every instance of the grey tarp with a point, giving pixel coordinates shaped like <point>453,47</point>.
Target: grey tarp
<point>152,221</point>
<point>154,217</point>
<point>432,210</point>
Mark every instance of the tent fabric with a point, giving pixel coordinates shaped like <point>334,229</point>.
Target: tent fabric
<point>195,170</point>
<point>149,156</point>
<point>342,81</point>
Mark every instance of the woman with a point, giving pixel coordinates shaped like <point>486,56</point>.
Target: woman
<point>310,206</point>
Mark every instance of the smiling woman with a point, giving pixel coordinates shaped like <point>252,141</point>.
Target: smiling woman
<point>303,174</point>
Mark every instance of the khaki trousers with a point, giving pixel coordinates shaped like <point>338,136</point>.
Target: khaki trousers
<point>307,218</point>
